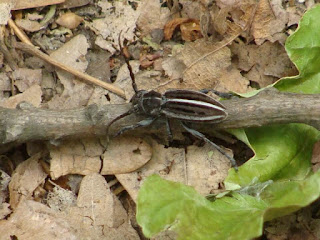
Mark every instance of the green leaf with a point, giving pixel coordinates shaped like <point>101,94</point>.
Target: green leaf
<point>281,152</point>
<point>303,48</point>
<point>166,205</point>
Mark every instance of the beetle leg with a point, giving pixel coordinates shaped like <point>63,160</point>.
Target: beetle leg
<point>170,137</point>
<point>199,135</point>
<point>143,123</point>
<point>218,93</point>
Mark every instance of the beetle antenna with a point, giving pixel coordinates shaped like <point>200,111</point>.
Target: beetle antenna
<point>134,85</point>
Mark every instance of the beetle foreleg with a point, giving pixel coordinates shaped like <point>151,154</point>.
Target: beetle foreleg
<point>203,137</point>
<point>143,123</point>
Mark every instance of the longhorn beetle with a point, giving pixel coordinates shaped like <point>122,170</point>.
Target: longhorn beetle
<point>183,105</point>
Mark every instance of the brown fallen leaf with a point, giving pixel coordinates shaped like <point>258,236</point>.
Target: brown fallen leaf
<point>263,64</point>
<point>25,179</point>
<point>98,213</point>
<point>201,167</point>
<point>170,27</point>
<point>23,4</point>
<point>147,60</point>
<point>75,157</point>
<point>69,20</point>
<point>33,220</point>
<point>209,72</point>
<point>190,31</point>
<point>75,92</point>
<point>125,154</point>
<point>32,95</point>
<point>152,16</point>
<point>269,21</point>
<point>28,25</point>
<point>24,78</point>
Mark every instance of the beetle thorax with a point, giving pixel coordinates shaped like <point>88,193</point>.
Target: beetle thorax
<point>147,102</point>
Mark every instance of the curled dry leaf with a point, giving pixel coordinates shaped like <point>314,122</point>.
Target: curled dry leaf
<point>26,178</point>
<point>190,28</point>
<point>190,31</point>
<point>69,20</point>
<point>125,154</point>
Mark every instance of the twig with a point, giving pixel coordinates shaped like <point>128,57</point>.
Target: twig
<point>268,107</point>
<point>89,79</point>
<point>19,32</point>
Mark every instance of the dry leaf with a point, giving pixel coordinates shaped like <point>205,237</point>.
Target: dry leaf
<point>190,31</point>
<point>269,20</point>
<point>23,4</point>
<point>25,179</point>
<point>207,68</point>
<point>24,78</point>
<point>125,154</point>
<point>28,25</point>
<point>69,20</point>
<point>116,21</point>
<point>5,15</point>
<point>32,221</point>
<point>75,157</point>
<point>74,3</point>
<point>4,211</point>
<point>147,60</point>
<point>171,26</point>
<point>76,93</point>
<point>173,67</point>
<point>193,168</point>
<point>32,95</point>
<point>263,64</point>
<point>98,214</point>
<point>152,16</point>
<point>191,9</point>
<point>5,82</point>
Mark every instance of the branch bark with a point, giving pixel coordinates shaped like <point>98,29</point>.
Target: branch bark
<point>27,123</point>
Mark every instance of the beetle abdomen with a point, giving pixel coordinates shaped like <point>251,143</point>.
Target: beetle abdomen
<point>188,105</point>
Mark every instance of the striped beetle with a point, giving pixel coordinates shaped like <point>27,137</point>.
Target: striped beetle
<point>183,105</point>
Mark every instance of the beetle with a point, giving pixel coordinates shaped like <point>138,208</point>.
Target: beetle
<point>184,105</point>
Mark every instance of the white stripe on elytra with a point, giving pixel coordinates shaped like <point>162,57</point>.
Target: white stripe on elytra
<point>191,118</point>
<point>195,102</point>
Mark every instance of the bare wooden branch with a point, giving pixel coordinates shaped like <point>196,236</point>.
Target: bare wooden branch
<point>268,107</point>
